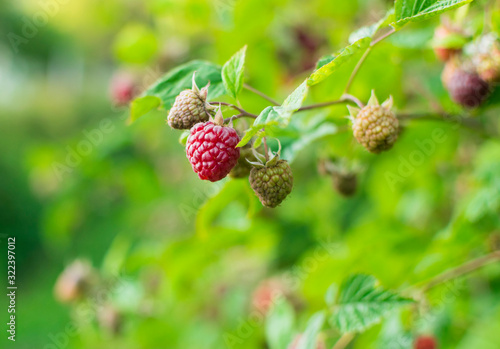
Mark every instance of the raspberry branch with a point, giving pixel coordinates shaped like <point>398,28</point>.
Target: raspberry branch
<point>243,112</point>
<point>345,98</point>
<point>463,269</point>
<point>363,58</point>
<point>259,93</point>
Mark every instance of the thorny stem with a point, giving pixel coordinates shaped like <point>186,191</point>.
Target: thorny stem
<point>243,112</point>
<point>257,92</point>
<point>363,58</point>
<point>461,270</point>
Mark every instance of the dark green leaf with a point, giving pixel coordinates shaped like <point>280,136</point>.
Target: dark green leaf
<point>233,71</point>
<point>180,78</point>
<point>417,10</point>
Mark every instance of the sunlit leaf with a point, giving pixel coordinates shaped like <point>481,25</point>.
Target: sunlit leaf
<point>233,71</point>
<point>143,105</point>
<point>343,57</point>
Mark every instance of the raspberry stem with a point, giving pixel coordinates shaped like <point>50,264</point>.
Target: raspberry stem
<point>363,58</point>
<point>243,112</point>
<point>263,95</point>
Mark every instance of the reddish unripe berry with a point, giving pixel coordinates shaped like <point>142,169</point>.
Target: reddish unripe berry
<point>425,342</point>
<point>211,150</point>
<point>467,88</point>
<point>265,295</point>
<point>122,89</point>
<point>444,53</point>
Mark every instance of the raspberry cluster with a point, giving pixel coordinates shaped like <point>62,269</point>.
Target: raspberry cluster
<point>468,73</point>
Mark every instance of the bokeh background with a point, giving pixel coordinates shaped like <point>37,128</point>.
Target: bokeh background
<point>184,256</point>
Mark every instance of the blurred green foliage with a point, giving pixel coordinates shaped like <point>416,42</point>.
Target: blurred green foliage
<point>189,254</point>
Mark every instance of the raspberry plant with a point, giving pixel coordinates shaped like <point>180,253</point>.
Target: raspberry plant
<point>215,149</point>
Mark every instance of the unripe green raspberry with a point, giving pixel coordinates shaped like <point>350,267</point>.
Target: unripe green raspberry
<point>190,107</point>
<point>345,183</point>
<point>375,126</point>
<point>272,182</point>
<point>243,167</point>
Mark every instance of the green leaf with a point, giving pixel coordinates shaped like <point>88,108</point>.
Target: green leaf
<point>277,116</point>
<point>279,325</point>
<point>143,105</point>
<point>267,117</point>
<point>369,31</point>
<point>180,78</point>
<point>324,60</point>
<point>416,10</point>
<point>232,73</point>
<point>292,103</point>
<point>183,137</point>
<point>343,57</point>
<point>361,304</point>
<point>331,294</point>
<point>310,336</point>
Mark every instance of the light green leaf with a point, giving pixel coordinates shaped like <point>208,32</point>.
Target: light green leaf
<point>279,324</point>
<point>343,57</point>
<point>267,117</point>
<point>183,137</point>
<point>310,336</point>
<point>292,103</point>
<point>331,294</point>
<point>233,71</point>
<point>277,116</point>
<point>143,105</point>
<point>361,304</point>
<point>180,78</point>
<point>416,10</point>
<point>369,31</point>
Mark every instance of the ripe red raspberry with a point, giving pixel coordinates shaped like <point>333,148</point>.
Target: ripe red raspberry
<point>375,126</point>
<point>467,88</point>
<point>425,342</point>
<point>211,150</point>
